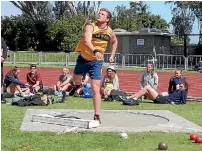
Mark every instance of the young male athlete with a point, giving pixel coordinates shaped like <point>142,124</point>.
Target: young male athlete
<point>91,47</point>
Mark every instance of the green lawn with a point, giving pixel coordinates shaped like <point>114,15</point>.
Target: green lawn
<point>15,140</point>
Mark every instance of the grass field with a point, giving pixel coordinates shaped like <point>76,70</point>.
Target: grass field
<point>15,140</point>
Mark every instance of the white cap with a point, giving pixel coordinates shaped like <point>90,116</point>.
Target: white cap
<point>112,68</point>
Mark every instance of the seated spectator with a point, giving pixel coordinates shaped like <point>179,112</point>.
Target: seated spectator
<point>198,67</point>
<point>177,97</point>
<point>34,80</point>
<point>176,80</point>
<point>64,82</point>
<point>12,83</point>
<point>84,83</point>
<point>110,82</point>
<point>149,77</point>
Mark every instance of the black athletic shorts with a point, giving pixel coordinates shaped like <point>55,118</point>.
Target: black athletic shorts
<point>161,99</point>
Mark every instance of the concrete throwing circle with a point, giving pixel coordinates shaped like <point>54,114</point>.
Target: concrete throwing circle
<point>122,118</point>
<point>112,121</point>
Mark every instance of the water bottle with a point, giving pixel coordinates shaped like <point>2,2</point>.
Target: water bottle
<point>142,98</point>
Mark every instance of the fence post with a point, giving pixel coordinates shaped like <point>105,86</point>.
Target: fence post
<point>66,62</point>
<point>186,63</point>
<point>14,57</point>
<point>123,61</point>
<point>163,62</point>
<point>40,57</point>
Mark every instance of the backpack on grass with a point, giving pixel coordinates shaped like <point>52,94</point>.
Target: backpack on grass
<point>116,95</point>
<point>87,92</point>
<point>35,100</point>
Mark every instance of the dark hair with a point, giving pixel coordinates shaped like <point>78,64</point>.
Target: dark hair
<point>108,12</point>
<point>14,69</point>
<point>32,65</point>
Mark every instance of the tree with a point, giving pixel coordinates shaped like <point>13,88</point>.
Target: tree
<point>35,10</point>
<point>136,17</point>
<point>62,9</point>
<point>18,32</point>
<point>70,8</point>
<point>66,32</point>
<point>182,20</point>
<point>139,7</point>
<point>194,6</point>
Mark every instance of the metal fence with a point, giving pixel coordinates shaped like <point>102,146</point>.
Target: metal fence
<point>137,60</point>
<point>193,60</point>
<point>161,61</point>
<point>170,61</point>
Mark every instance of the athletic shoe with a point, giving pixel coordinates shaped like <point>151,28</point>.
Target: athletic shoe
<point>3,101</point>
<point>97,117</point>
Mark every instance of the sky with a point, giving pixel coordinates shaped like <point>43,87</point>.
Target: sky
<point>156,7</point>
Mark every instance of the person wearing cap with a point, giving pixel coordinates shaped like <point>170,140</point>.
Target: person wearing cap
<point>34,80</point>
<point>110,82</point>
<point>91,49</point>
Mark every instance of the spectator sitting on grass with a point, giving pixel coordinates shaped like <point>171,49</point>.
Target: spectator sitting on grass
<point>177,97</point>
<point>84,81</point>
<point>198,67</point>
<point>12,83</point>
<point>110,82</point>
<point>64,82</point>
<point>149,77</point>
<point>175,81</point>
<point>34,80</point>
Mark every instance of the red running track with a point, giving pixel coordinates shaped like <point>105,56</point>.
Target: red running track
<point>129,80</point>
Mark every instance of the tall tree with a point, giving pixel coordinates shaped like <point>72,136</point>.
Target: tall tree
<point>136,17</point>
<point>139,7</point>
<point>62,9</point>
<point>183,18</point>
<point>35,10</point>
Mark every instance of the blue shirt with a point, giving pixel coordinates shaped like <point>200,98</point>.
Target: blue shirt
<point>13,79</point>
<point>175,81</point>
<point>178,96</point>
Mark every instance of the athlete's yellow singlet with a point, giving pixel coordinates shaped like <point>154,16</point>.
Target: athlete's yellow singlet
<point>100,39</point>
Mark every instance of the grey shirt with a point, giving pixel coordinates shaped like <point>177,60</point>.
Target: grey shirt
<point>148,79</point>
